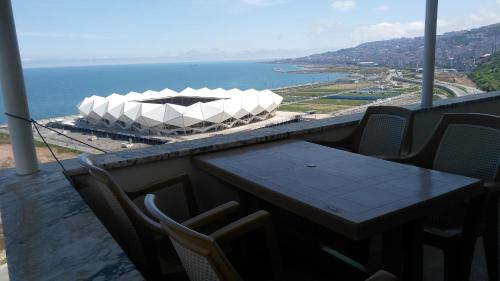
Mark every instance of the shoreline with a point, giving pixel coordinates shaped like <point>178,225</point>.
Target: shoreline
<point>286,88</point>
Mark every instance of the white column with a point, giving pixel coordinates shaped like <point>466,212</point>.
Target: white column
<point>14,94</point>
<point>431,12</point>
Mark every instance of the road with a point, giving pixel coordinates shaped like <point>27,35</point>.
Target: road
<point>457,90</point>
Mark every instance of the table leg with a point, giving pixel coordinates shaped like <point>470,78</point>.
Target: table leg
<point>413,264</point>
<point>402,252</point>
<point>392,251</point>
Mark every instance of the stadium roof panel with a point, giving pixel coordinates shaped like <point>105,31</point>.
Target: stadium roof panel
<point>154,109</point>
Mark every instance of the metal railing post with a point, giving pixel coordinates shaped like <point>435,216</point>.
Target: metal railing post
<point>14,94</point>
<point>431,12</point>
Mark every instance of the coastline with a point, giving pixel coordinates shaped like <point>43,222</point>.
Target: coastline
<point>56,91</point>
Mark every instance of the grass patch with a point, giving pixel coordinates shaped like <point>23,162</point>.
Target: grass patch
<point>372,95</point>
<point>303,107</point>
<point>5,139</point>
<point>438,91</point>
<point>322,105</point>
<point>316,91</point>
<point>339,102</point>
<point>311,94</point>
<point>57,148</point>
<point>487,75</point>
<point>409,90</point>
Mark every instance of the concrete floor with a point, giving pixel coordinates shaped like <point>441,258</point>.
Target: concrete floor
<point>433,264</point>
<point>4,273</point>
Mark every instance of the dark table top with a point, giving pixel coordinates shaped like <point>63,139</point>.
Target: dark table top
<point>352,194</point>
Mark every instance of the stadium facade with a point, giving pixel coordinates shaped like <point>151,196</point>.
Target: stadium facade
<point>189,111</point>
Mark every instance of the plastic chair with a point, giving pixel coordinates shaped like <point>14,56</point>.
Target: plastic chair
<point>469,145</point>
<point>149,232</point>
<point>384,130</point>
<point>201,255</point>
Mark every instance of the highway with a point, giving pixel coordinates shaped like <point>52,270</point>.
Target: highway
<point>457,90</point>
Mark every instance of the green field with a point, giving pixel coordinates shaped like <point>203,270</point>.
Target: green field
<point>322,105</point>
<point>304,92</point>
<point>295,99</point>
<point>409,90</point>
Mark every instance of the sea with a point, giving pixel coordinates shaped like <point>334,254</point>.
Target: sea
<point>56,91</point>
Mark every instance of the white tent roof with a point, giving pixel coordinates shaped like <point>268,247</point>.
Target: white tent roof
<point>98,107</point>
<point>266,100</point>
<point>193,114</point>
<point>131,111</point>
<point>213,111</point>
<point>151,114</point>
<point>129,108</point>
<point>86,105</point>
<point>250,102</point>
<point>168,93</point>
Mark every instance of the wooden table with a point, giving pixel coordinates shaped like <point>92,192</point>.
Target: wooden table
<point>354,195</point>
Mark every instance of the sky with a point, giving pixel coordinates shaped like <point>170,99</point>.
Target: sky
<point>62,32</point>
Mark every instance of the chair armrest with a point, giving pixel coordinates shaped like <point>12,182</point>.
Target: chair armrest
<point>492,187</point>
<point>170,181</point>
<point>382,276</point>
<point>260,219</point>
<point>255,221</point>
<point>344,143</point>
<point>415,159</point>
<point>219,212</point>
<point>398,159</point>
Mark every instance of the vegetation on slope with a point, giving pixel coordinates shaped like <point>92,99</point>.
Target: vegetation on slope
<point>487,75</point>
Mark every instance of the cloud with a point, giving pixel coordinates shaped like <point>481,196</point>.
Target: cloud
<point>383,8</point>
<point>390,30</point>
<point>485,16</point>
<point>343,5</point>
<point>262,2</point>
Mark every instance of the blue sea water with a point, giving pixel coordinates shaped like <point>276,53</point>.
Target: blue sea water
<point>56,91</point>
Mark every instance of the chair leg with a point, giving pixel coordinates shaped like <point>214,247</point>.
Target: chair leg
<point>465,257</point>
<point>491,242</point>
<point>469,238</point>
<point>414,251</point>
<point>450,263</point>
<point>273,248</point>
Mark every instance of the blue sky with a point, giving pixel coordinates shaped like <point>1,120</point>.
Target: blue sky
<point>114,31</point>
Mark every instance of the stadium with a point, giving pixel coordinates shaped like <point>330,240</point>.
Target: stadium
<point>189,111</point>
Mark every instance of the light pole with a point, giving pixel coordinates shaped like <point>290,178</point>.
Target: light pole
<point>14,94</point>
<point>431,12</point>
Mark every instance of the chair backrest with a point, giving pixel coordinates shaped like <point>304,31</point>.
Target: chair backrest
<point>465,144</point>
<point>384,130</point>
<point>136,215</point>
<point>200,255</point>
<point>143,254</point>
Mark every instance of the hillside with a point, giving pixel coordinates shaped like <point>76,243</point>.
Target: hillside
<point>459,49</point>
<point>487,74</point>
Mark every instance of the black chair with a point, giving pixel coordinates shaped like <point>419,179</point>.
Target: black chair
<point>154,255</point>
<point>469,145</point>
<point>383,131</point>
